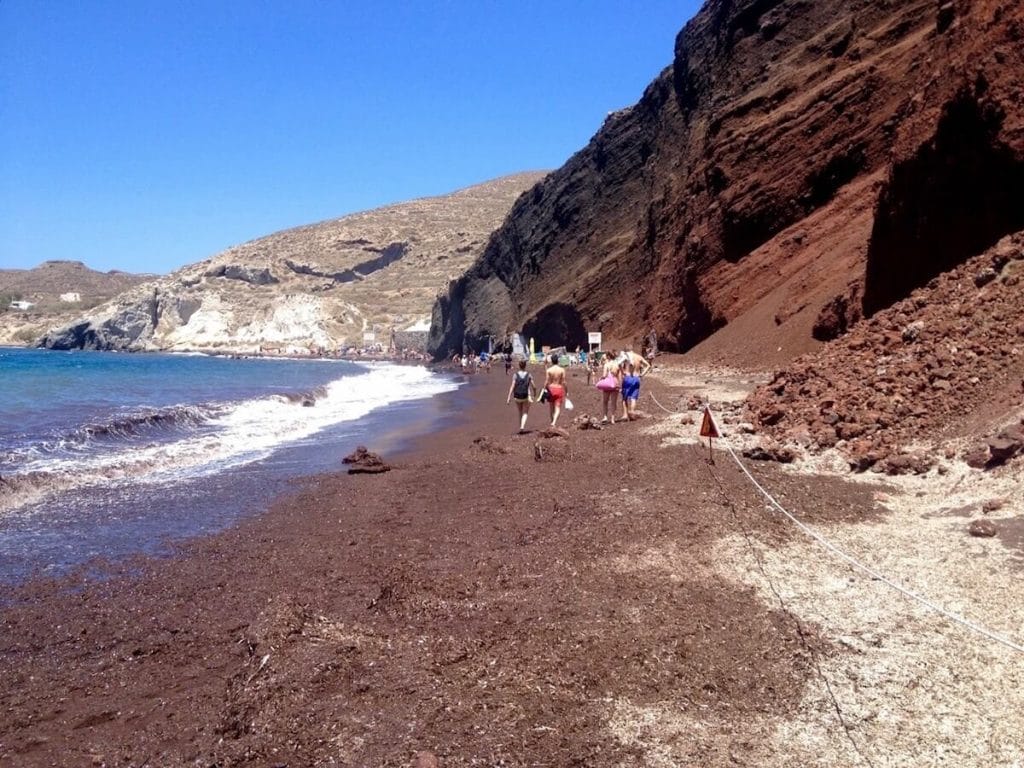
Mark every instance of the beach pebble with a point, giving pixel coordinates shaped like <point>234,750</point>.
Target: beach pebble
<point>426,760</point>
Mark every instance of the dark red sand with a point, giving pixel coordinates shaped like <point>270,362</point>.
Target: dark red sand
<point>467,604</point>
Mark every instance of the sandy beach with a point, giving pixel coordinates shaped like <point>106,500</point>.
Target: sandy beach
<point>609,598</point>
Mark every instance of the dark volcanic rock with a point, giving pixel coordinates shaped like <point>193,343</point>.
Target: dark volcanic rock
<point>363,462</point>
<point>982,528</point>
<point>794,157</point>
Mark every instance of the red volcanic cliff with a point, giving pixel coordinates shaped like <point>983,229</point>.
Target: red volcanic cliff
<point>798,165</point>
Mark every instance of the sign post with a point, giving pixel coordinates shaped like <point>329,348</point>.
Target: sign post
<point>709,429</point>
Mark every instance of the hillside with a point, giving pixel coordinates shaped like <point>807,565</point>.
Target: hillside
<point>797,166</point>
<point>320,286</point>
<point>43,286</point>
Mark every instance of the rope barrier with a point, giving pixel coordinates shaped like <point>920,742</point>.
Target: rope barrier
<point>847,729</point>
<point>666,410</point>
<point>977,628</point>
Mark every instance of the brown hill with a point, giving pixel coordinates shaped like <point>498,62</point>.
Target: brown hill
<point>43,287</point>
<point>52,278</point>
<point>799,164</point>
<point>321,285</point>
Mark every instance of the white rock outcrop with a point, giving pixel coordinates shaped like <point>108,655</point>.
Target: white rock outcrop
<point>316,287</point>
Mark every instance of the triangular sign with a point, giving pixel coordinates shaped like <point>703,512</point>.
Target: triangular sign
<point>707,426</point>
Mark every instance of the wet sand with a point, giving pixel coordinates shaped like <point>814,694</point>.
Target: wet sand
<point>493,600</point>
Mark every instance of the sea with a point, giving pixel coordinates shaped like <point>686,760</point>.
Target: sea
<point>106,455</point>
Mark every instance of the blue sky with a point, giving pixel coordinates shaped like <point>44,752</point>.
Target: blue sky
<point>143,135</point>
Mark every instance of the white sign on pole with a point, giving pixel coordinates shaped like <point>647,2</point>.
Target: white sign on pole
<point>594,338</point>
<point>369,337</point>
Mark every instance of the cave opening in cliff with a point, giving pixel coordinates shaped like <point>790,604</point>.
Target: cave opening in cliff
<point>953,199</point>
<point>557,325</point>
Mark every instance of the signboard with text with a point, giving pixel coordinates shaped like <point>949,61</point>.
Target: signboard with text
<point>594,338</point>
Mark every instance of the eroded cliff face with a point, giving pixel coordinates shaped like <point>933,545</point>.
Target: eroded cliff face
<point>799,164</point>
<point>315,287</point>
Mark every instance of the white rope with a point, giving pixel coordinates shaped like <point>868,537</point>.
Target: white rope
<point>860,566</point>
<point>666,410</point>
<point>851,560</point>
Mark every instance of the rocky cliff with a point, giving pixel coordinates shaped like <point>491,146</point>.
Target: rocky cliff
<point>44,285</point>
<point>317,286</point>
<point>799,165</point>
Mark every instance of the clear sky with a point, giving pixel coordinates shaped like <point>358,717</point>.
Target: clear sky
<point>144,135</point>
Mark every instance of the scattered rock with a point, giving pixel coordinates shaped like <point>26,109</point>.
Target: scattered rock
<point>992,505</point>
<point>977,457</point>
<point>487,445</point>
<point>982,528</point>
<point>363,462</point>
<point>770,452</point>
<point>1002,449</point>
<point>907,374</point>
<point>985,276</point>
<point>907,464</point>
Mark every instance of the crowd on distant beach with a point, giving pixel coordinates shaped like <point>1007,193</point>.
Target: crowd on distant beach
<point>619,384</point>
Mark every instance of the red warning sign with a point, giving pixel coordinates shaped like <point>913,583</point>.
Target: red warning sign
<point>707,426</point>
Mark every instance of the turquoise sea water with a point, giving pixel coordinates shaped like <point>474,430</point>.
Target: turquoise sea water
<point>107,454</point>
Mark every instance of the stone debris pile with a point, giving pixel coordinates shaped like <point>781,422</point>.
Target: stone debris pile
<point>945,363</point>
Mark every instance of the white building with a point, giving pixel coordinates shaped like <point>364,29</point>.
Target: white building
<point>22,304</point>
<point>71,297</point>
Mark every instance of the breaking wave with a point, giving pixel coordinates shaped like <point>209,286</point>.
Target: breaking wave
<point>187,441</point>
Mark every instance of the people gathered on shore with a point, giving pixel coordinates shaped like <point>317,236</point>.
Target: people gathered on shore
<point>619,384</point>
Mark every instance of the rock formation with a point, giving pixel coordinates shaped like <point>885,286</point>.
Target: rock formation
<point>799,165</point>
<point>318,286</point>
<point>44,286</point>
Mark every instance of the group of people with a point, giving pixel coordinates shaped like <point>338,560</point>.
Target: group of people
<point>620,380</point>
<point>524,391</point>
<point>471,363</point>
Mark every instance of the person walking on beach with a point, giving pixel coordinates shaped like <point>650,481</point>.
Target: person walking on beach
<point>643,367</point>
<point>508,363</point>
<point>610,383</point>
<point>630,392</point>
<point>557,390</point>
<point>524,391</point>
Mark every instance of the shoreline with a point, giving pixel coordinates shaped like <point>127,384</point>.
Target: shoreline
<point>587,603</point>
<point>146,520</point>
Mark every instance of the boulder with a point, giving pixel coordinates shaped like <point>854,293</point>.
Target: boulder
<point>1002,449</point>
<point>907,464</point>
<point>982,528</point>
<point>977,457</point>
<point>363,462</point>
<point>771,452</point>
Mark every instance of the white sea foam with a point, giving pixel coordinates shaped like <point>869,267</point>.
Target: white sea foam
<point>238,434</point>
